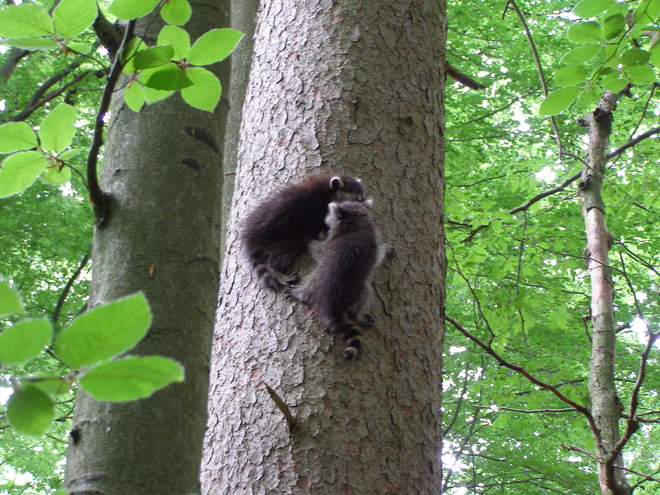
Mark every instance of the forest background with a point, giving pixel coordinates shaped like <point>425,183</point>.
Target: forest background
<point>518,276</point>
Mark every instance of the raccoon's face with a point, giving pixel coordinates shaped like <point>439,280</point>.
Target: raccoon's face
<point>346,188</point>
<point>339,212</point>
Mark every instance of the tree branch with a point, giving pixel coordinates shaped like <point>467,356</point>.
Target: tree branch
<point>67,287</point>
<point>526,374</point>
<point>539,67</point>
<point>99,199</point>
<point>632,143</point>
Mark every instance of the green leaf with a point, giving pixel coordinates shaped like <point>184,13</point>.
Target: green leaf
<point>131,378</point>
<point>128,54</point>
<point>591,8</point>
<point>655,55</point>
<point>178,38</point>
<point>19,171</point>
<point>25,340</point>
<point>640,74</point>
<point>614,82</point>
<point>559,100</point>
<point>104,331</point>
<point>176,12</point>
<point>635,56</point>
<point>153,95</point>
<point>10,300</point>
<point>82,48</point>
<point>168,78</point>
<point>27,19</point>
<point>584,32</point>
<point>30,411</point>
<point>56,175</point>
<point>647,12</point>
<point>73,17</point>
<point>582,54</point>
<point>613,26</point>
<point>57,129</point>
<point>68,154</point>
<point>49,385</point>
<point>156,56</point>
<point>611,56</point>
<point>131,9</point>
<point>214,46</point>
<point>571,75</point>
<point>134,96</point>
<point>17,136</point>
<point>28,43</point>
<point>206,90</point>
<point>589,97</point>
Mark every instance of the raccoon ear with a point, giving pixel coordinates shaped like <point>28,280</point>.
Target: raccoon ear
<point>369,202</point>
<point>336,183</point>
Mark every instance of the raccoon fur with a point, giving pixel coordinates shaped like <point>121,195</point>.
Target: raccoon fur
<point>278,231</point>
<point>339,287</point>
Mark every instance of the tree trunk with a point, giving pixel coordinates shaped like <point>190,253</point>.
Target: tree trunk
<point>354,87</point>
<point>162,237</point>
<point>605,406</point>
<point>243,14</point>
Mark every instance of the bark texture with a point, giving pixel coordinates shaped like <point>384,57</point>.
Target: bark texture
<point>162,236</point>
<point>352,86</point>
<point>605,406</point>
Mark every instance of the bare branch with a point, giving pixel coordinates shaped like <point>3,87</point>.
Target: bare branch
<point>545,194</point>
<point>99,199</point>
<point>67,287</point>
<point>526,374</point>
<point>281,405</point>
<point>539,68</point>
<point>462,78</point>
<point>632,143</point>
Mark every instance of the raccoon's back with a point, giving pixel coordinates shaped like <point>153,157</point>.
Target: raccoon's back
<point>343,272</point>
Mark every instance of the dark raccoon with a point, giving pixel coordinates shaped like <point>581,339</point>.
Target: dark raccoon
<point>339,287</point>
<point>278,231</point>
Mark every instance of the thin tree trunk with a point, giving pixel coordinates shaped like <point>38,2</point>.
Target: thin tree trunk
<point>605,406</point>
<point>353,87</point>
<point>162,237</point>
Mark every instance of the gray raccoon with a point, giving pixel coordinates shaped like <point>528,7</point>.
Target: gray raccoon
<point>278,231</point>
<point>339,287</point>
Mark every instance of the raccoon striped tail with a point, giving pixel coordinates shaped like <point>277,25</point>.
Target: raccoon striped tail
<point>350,332</point>
<point>272,278</point>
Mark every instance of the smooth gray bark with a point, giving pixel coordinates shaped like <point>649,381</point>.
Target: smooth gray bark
<point>162,167</point>
<point>351,86</point>
<point>243,16</point>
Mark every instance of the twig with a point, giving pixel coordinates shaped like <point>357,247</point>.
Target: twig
<point>632,143</point>
<point>101,200</point>
<point>581,451</point>
<point>545,194</point>
<point>67,287</point>
<point>281,405</point>
<point>539,68</point>
<point>526,374</point>
<point>36,103</point>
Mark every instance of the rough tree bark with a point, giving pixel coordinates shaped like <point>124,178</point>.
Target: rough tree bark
<point>351,86</point>
<point>605,406</point>
<point>162,237</point>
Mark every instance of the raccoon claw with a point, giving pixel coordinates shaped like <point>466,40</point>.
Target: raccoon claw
<point>369,322</point>
<point>292,279</point>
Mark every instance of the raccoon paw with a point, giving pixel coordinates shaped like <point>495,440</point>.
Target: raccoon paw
<point>292,279</point>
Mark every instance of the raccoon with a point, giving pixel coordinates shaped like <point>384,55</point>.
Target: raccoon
<point>278,231</point>
<point>339,287</point>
